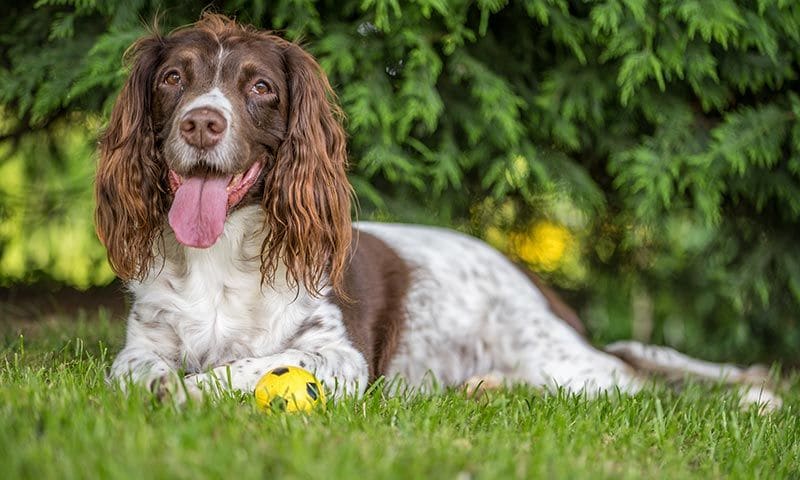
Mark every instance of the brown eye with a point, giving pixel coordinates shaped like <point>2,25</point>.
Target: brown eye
<point>261,88</point>
<point>172,78</point>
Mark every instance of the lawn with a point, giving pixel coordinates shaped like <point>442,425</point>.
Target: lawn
<point>58,419</point>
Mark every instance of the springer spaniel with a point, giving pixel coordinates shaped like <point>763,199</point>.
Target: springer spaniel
<point>222,200</point>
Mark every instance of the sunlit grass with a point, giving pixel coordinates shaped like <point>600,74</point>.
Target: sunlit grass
<point>59,419</point>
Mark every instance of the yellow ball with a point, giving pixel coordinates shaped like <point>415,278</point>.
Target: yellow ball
<point>289,389</point>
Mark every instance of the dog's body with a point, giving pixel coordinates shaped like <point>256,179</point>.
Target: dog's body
<point>424,304</point>
<point>222,199</point>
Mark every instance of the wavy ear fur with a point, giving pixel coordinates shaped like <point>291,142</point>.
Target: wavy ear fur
<point>130,186</point>
<point>306,194</point>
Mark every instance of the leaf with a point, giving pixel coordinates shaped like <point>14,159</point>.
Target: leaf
<point>635,70</point>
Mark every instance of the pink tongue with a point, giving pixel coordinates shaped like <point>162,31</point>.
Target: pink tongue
<point>198,211</point>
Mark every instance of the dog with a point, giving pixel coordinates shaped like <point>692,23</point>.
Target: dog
<point>223,202</point>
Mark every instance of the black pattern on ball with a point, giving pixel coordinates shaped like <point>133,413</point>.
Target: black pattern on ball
<point>312,390</point>
<point>280,371</point>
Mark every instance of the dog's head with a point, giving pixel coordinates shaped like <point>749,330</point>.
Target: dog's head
<point>214,117</point>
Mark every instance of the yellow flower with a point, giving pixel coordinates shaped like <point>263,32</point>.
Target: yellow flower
<point>543,246</point>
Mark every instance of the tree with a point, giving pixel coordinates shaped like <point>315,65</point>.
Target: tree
<point>656,141</point>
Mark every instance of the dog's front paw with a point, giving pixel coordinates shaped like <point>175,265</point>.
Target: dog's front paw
<point>765,400</point>
<point>175,389</point>
<point>477,386</point>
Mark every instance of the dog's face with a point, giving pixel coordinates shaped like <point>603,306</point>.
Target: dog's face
<point>214,117</point>
<point>220,115</point>
<point>220,107</point>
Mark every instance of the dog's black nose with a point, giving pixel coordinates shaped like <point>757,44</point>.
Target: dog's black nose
<point>203,127</point>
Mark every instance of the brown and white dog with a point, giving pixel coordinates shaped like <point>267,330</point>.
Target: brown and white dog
<point>222,199</point>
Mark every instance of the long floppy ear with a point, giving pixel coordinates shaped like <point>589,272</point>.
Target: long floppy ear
<point>130,186</point>
<point>306,194</point>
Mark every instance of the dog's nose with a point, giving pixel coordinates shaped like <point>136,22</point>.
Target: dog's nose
<point>203,127</point>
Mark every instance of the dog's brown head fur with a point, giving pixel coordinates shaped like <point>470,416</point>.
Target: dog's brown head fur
<point>224,108</point>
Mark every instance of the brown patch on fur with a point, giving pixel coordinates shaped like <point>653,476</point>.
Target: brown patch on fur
<point>376,281</point>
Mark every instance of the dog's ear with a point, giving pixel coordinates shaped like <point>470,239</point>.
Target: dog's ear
<point>130,185</point>
<point>307,195</point>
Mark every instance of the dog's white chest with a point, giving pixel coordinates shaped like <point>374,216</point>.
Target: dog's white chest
<point>214,301</point>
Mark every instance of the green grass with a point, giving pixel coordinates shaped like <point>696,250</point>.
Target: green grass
<point>58,419</point>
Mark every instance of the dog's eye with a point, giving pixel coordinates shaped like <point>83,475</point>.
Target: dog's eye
<point>172,78</point>
<point>261,88</point>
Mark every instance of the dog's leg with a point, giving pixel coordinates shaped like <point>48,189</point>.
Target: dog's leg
<point>320,345</point>
<point>752,382</point>
<point>583,369</point>
<point>142,366</point>
<point>531,345</point>
<point>670,362</point>
<point>138,365</point>
<point>338,365</point>
<point>588,372</point>
<point>341,368</point>
<point>149,357</point>
<point>478,385</point>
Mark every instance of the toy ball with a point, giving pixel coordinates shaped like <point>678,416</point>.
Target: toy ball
<point>289,389</point>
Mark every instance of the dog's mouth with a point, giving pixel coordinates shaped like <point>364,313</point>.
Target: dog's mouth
<point>201,203</point>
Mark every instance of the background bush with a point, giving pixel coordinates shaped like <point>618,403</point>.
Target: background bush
<point>643,155</point>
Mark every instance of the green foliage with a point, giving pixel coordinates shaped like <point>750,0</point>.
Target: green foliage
<point>665,133</point>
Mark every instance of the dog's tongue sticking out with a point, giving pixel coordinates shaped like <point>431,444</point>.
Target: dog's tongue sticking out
<point>199,209</point>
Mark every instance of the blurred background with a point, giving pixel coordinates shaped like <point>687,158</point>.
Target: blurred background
<point>643,156</point>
